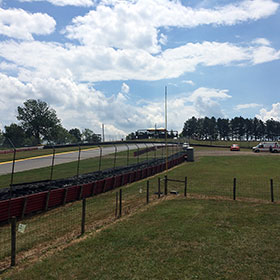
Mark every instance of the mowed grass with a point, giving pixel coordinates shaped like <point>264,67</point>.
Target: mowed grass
<point>242,144</point>
<point>176,239</point>
<point>214,175</point>
<point>209,176</point>
<point>66,170</point>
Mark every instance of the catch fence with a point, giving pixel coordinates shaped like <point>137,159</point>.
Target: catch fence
<point>58,163</point>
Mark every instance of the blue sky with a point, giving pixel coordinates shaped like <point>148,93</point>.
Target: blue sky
<point>109,61</point>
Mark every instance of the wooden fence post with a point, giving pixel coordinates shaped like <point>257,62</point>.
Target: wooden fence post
<point>158,187</point>
<point>271,190</point>
<point>148,190</point>
<point>186,184</point>
<point>165,185</point>
<point>120,207</point>
<point>24,207</point>
<point>234,188</point>
<point>83,216</point>
<point>117,201</point>
<point>13,241</point>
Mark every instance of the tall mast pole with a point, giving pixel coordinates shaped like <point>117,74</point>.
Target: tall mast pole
<point>166,150</point>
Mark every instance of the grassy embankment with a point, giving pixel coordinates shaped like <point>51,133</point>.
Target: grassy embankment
<point>194,239</point>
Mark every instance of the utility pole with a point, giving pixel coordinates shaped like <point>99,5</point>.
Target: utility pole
<point>166,150</point>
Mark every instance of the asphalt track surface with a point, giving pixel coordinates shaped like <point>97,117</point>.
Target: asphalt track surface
<point>60,158</point>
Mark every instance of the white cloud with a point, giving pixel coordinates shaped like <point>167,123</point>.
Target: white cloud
<point>93,64</point>
<point>83,3</point>
<point>274,113</point>
<point>135,24</point>
<point>247,106</point>
<point>261,41</point>
<point>206,101</point>
<point>79,105</point>
<point>188,82</point>
<point>125,88</point>
<point>19,24</point>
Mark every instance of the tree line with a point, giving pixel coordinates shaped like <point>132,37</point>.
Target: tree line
<point>39,123</point>
<point>238,128</point>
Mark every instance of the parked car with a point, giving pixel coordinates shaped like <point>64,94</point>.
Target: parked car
<point>234,147</point>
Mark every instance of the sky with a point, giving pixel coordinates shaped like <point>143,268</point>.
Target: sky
<point>109,61</point>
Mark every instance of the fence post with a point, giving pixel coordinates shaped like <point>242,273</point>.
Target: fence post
<point>234,188</point>
<point>13,241</point>
<point>120,207</point>
<point>186,184</point>
<point>79,160</point>
<point>271,190</point>
<point>53,157</point>
<point>83,216</point>
<point>158,187</point>
<point>24,207</point>
<point>117,201</point>
<point>165,185</point>
<point>115,156</point>
<point>100,158</point>
<point>148,190</point>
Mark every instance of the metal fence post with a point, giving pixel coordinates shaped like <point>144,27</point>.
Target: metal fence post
<point>83,216</point>
<point>234,188</point>
<point>271,190</point>
<point>127,155</point>
<point>147,152</point>
<point>78,163</point>
<point>115,156</point>
<point>51,177</point>
<point>13,241</point>
<point>137,153</point>
<point>100,158</point>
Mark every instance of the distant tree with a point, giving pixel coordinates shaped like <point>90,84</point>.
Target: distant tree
<point>37,119</point>
<point>15,134</point>
<point>58,135</point>
<point>89,136</point>
<point>190,127</point>
<point>236,128</point>
<point>77,135</point>
<point>1,138</point>
<point>223,128</point>
<point>248,128</point>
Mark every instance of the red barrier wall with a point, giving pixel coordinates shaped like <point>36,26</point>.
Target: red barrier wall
<point>37,202</point>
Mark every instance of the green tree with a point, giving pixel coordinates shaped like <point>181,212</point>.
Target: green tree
<point>76,134</point>
<point>37,119</point>
<point>223,128</point>
<point>89,136</point>
<point>190,127</point>
<point>1,138</point>
<point>15,134</point>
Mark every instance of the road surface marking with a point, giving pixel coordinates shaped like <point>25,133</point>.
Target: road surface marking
<point>43,156</point>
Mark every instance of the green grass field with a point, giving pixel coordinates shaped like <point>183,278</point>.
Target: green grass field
<point>182,238</point>
<point>178,239</point>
